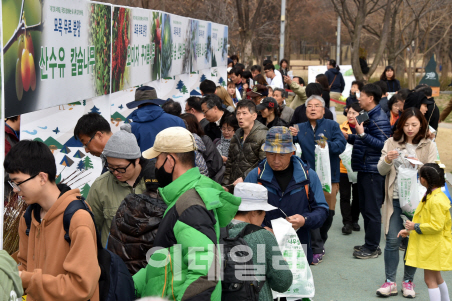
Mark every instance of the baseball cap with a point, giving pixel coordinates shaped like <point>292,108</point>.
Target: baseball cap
<point>267,102</point>
<point>174,139</point>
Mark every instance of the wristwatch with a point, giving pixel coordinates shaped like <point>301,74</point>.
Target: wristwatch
<point>362,135</point>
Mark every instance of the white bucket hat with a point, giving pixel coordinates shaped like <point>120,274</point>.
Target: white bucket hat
<point>254,197</point>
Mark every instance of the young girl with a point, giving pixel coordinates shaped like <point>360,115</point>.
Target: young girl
<point>430,243</point>
<point>388,76</point>
<point>231,92</point>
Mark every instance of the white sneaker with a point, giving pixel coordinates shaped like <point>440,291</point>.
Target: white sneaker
<point>388,289</point>
<point>408,289</point>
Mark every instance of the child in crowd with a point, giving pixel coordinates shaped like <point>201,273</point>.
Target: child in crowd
<point>231,92</point>
<point>430,243</point>
<point>395,105</point>
<point>354,94</point>
<point>228,127</point>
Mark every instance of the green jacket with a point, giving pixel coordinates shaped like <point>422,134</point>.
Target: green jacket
<point>10,282</point>
<point>188,264</point>
<point>300,95</point>
<point>107,193</point>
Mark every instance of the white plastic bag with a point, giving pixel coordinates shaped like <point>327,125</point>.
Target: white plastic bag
<point>303,282</point>
<point>346,158</point>
<point>322,166</point>
<point>410,190</point>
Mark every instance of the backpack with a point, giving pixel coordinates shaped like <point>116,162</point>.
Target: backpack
<point>234,289</point>
<point>115,282</point>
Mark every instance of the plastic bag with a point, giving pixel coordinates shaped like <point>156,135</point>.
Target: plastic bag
<point>410,190</point>
<point>322,166</point>
<point>346,158</point>
<point>303,282</point>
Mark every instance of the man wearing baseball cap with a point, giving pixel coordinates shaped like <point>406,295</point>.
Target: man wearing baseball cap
<point>149,118</point>
<point>292,186</point>
<point>197,208</point>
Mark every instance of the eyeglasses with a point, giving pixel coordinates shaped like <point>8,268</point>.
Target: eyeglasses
<point>119,169</point>
<point>92,137</point>
<point>16,186</point>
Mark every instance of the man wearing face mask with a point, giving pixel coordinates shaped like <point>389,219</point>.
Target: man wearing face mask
<point>197,208</point>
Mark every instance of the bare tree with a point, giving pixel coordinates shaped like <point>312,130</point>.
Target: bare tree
<point>353,15</point>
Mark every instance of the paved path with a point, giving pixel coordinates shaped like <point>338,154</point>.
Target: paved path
<point>341,277</point>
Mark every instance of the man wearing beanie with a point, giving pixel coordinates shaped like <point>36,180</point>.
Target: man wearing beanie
<point>128,173</point>
<point>190,229</point>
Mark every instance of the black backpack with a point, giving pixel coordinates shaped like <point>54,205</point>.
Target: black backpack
<point>115,282</point>
<point>234,289</point>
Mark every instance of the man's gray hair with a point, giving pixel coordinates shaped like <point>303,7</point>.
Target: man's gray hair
<point>316,97</point>
<point>283,92</point>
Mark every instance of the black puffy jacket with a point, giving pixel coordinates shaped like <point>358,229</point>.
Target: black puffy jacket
<point>367,150</point>
<point>134,227</point>
<point>212,156</point>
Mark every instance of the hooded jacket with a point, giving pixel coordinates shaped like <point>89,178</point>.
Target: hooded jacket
<point>243,157</point>
<point>134,228</point>
<point>150,120</point>
<point>107,193</point>
<point>294,200</point>
<point>51,268</point>
<point>197,208</point>
<point>336,143</point>
<point>339,84</point>
<point>367,150</point>
<point>431,249</point>
<point>10,282</point>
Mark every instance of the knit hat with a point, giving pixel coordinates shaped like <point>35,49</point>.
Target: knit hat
<point>122,145</point>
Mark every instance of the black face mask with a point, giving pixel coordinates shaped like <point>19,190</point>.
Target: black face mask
<point>164,178</point>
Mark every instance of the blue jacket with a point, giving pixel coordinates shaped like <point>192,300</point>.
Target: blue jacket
<point>294,200</point>
<point>339,83</point>
<point>367,150</point>
<point>384,104</point>
<point>148,121</point>
<point>336,143</point>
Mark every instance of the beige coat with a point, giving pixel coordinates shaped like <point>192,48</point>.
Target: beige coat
<point>425,152</point>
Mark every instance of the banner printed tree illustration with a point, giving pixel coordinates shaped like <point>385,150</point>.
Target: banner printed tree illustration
<point>203,78</point>
<point>184,90</point>
<point>88,163</point>
<point>167,46</point>
<point>180,85</point>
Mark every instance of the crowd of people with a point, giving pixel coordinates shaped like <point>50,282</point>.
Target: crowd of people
<point>172,180</point>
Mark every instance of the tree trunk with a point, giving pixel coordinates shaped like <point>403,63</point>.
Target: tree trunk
<point>287,39</point>
<point>445,60</point>
<point>360,18</point>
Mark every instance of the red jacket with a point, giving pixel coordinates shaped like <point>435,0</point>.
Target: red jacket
<point>10,139</point>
